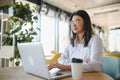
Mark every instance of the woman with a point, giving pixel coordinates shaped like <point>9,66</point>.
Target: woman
<point>83,44</point>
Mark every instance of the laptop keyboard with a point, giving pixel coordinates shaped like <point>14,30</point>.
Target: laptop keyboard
<point>57,73</point>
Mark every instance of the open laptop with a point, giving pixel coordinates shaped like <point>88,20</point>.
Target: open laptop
<point>34,62</point>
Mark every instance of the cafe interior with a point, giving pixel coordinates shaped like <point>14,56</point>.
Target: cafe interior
<point>47,21</point>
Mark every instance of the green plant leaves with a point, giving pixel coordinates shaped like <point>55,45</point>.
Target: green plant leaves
<point>22,16</point>
<point>11,59</point>
<point>35,18</point>
<point>17,63</point>
<point>34,33</point>
<point>22,11</point>
<point>31,29</point>
<point>7,40</point>
<point>16,30</point>
<point>38,29</point>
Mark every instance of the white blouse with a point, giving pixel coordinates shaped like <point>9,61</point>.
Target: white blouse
<point>94,51</point>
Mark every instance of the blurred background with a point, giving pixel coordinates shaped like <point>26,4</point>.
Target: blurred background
<point>53,21</point>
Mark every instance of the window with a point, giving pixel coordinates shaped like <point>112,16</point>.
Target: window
<point>114,40</point>
<point>47,33</point>
<point>63,35</point>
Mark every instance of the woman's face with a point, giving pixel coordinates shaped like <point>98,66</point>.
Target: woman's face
<point>77,24</point>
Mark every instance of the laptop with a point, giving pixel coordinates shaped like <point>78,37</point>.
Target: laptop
<point>34,62</point>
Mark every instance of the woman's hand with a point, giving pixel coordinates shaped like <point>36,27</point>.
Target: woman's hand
<point>60,66</point>
<point>53,65</point>
<point>87,60</point>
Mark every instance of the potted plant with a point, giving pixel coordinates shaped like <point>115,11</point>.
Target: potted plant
<point>17,26</point>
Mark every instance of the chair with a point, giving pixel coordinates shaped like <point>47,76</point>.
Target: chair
<point>114,54</point>
<point>54,58</point>
<point>111,66</point>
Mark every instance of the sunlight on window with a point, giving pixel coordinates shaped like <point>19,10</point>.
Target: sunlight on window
<point>47,33</point>
<point>63,35</point>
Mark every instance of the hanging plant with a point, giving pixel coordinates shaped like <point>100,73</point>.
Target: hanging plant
<point>22,16</point>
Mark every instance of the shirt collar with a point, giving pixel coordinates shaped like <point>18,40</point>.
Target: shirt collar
<point>76,41</point>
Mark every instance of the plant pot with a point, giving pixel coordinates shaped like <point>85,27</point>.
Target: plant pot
<point>7,52</point>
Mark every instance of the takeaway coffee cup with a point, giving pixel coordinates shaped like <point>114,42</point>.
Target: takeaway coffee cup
<point>76,68</point>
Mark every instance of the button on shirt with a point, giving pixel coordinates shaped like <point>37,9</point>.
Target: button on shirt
<point>94,52</point>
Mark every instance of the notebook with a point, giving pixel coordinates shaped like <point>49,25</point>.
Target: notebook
<point>34,62</point>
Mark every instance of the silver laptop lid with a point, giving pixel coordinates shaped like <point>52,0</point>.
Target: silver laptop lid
<point>33,59</point>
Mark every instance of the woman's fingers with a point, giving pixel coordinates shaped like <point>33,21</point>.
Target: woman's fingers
<point>52,65</point>
<point>87,60</point>
<point>49,67</point>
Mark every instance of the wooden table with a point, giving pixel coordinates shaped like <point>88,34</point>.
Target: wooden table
<point>17,73</point>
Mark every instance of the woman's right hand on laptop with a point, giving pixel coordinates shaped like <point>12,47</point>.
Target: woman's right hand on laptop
<point>53,65</point>
<point>60,66</point>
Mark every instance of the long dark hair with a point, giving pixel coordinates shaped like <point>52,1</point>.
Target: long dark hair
<point>87,27</point>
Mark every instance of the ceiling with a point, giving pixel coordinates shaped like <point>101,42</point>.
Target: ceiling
<point>4,2</point>
<point>103,12</point>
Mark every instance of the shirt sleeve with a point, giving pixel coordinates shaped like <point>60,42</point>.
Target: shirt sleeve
<point>97,50</point>
<point>64,58</point>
